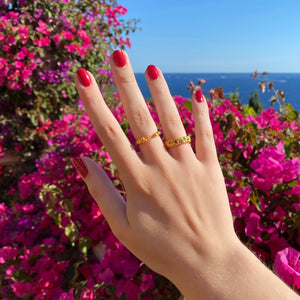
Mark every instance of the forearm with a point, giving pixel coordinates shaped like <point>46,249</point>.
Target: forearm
<point>238,276</point>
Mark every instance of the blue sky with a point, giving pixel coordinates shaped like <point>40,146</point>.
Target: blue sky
<point>216,35</point>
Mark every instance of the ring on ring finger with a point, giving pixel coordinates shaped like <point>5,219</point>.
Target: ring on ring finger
<point>177,141</point>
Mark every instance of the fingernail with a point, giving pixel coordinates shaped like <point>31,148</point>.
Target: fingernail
<point>80,167</point>
<point>152,72</point>
<point>119,58</point>
<point>84,77</point>
<point>199,96</point>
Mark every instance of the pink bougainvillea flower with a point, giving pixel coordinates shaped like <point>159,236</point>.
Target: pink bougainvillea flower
<point>11,40</point>
<point>42,28</point>
<point>291,169</point>
<point>67,35</point>
<point>239,200</point>
<point>287,266</point>
<point>21,288</point>
<point>42,42</point>
<point>85,37</point>
<point>23,31</point>
<point>254,229</point>
<point>7,252</point>
<point>56,38</point>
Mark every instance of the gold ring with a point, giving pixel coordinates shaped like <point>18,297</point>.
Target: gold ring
<point>155,134</point>
<point>144,139</point>
<point>177,141</point>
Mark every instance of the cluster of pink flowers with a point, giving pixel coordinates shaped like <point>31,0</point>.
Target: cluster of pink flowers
<point>15,67</point>
<point>111,14</point>
<point>41,46</point>
<point>262,167</point>
<point>15,31</point>
<point>39,49</point>
<point>57,225</point>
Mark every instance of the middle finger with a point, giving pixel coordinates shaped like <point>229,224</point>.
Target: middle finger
<point>167,111</point>
<point>137,112</point>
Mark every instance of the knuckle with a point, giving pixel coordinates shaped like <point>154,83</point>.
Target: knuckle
<point>158,91</point>
<point>203,111</point>
<point>207,135</point>
<point>173,120</point>
<point>125,78</point>
<point>110,131</point>
<point>141,117</point>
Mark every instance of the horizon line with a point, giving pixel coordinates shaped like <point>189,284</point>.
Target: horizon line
<point>226,72</point>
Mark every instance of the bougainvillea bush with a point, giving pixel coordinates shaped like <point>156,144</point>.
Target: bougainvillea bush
<point>42,44</point>
<point>56,244</point>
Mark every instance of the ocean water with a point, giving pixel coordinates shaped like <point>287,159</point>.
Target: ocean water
<point>178,82</point>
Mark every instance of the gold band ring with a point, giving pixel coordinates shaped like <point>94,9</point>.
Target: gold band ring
<point>177,141</point>
<point>144,139</point>
<point>155,134</point>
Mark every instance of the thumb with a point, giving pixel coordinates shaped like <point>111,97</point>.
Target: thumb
<point>105,194</point>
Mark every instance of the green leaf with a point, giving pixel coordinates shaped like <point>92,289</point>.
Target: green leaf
<point>188,105</point>
<point>113,168</point>
<point>293,183</point>
<point>116,182</point>
<point>228,174</point>
<point>34,120</point>
<point>288,149</point>
<point>68,204</point>
<point>249,111</point>
<point>84,244</point>
<point>71,233</point>
<point>125,126</point>
<point>254,199</point>
<point>57,218</point>
<point>277,188</point>
<point>99,285</point>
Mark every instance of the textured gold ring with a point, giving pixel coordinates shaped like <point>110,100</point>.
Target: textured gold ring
<point>155,134</point>
<point>177,141</point>
<point>144,139</point>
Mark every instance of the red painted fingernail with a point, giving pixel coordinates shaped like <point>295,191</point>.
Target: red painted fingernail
<point>80,167</point>
<point>119,58</point>
<point>84,77</point>
<point>152,72</point>
<point>199,96</point>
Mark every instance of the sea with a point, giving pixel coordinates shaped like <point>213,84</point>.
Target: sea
<point>289,83</point>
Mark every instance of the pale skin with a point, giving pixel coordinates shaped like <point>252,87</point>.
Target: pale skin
<point>177,218</point>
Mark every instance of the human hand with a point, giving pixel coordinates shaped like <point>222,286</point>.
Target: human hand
<point>177,214</point>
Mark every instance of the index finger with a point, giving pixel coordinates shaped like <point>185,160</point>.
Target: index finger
<point>104,123</point>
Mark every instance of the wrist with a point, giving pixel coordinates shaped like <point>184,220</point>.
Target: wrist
<point>207,275</point>
<point>232,272</point>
